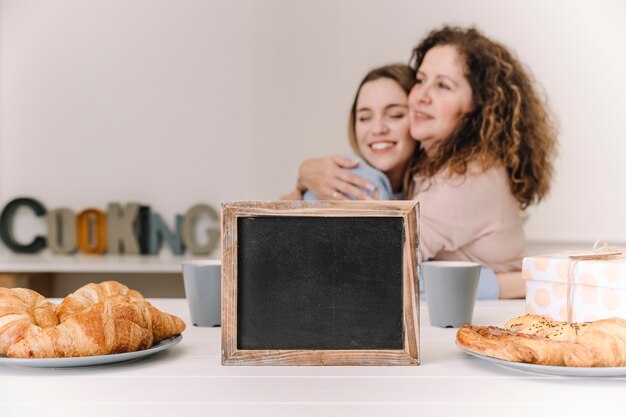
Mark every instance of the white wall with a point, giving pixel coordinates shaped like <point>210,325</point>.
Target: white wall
<point>122,101</point>
<point>174,102</point>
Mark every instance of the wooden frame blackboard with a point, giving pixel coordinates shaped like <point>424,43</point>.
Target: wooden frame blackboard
<point>320,283</point>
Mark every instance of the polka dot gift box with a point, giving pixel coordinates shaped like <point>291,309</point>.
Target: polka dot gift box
<point>597,289</point>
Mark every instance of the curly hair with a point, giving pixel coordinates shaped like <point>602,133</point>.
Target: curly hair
<point>402,74</point>
<point>510,123</point>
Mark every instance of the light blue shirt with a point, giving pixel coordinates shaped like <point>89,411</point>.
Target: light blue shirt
<point>364,170</point>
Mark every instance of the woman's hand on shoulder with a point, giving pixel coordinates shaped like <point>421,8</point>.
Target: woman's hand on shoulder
<point>329,179</point>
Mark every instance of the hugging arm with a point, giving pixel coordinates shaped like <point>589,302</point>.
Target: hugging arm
<point>329,179</point>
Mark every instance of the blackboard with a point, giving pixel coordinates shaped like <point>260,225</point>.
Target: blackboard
<point>307,283</point>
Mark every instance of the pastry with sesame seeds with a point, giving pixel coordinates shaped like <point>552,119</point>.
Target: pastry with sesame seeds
<point>537,340</point>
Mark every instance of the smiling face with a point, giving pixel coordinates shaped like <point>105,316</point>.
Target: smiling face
<point>441,97</point>
<point>382,127</point>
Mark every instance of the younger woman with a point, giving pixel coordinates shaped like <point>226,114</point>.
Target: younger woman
<point>378,130</point>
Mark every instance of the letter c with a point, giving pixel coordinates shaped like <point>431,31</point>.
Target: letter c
<point>6,231</point>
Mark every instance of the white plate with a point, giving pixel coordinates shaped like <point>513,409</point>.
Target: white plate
<point>553,370</point>
<point>91,360</point>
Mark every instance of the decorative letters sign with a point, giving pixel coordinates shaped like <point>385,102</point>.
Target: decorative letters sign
<point>131,229</point>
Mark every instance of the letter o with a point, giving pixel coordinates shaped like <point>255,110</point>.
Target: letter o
<point>91,231</point>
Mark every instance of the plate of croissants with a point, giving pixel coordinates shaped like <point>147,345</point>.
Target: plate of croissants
<point>97,324</point>
<point>536,344</point>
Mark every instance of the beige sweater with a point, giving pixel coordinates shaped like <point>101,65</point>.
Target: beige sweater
<point>471,218</point>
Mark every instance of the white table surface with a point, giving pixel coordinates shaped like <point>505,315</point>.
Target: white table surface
<point>189,380</point>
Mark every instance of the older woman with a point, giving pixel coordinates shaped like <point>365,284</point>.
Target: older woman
<point>486,150</point>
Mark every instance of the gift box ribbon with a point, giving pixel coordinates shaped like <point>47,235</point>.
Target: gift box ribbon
<point>601,250</point>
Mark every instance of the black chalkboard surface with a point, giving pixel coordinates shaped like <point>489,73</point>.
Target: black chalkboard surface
<point>319,283</point>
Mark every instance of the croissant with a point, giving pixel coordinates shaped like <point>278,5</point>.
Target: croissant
<point>116,325</point>
<point>599,343</point>
<point>90,295</point>
<point>23,312</point>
